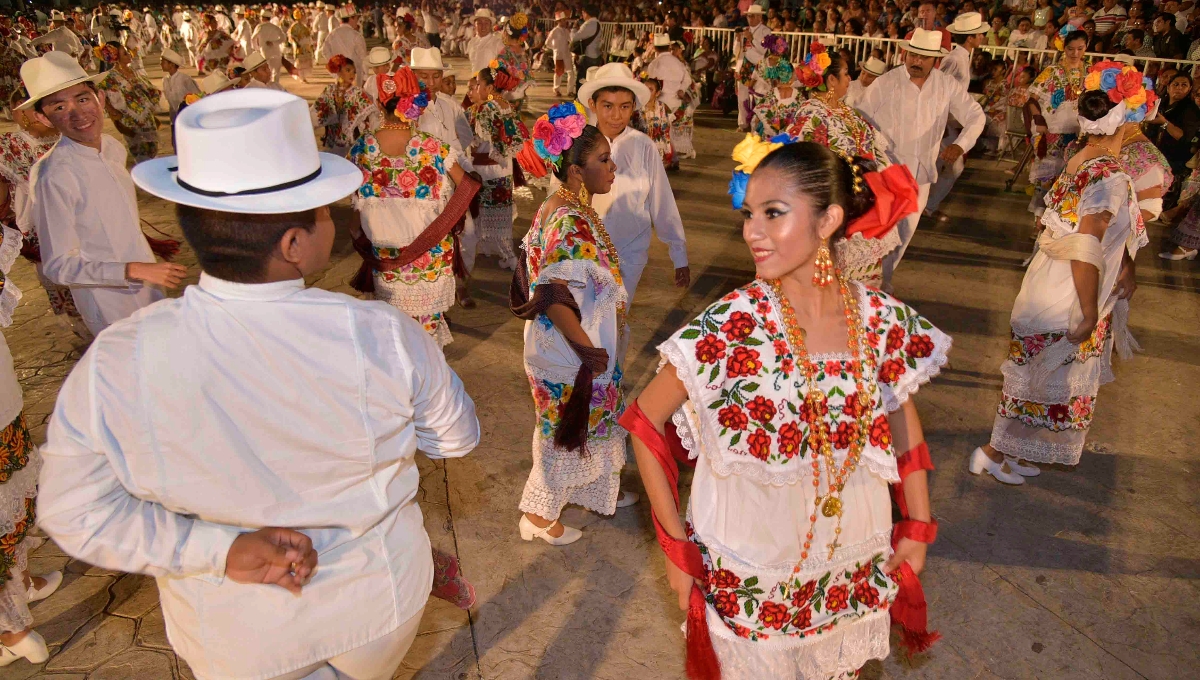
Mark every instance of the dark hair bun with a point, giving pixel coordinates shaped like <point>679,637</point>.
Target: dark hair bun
<point>861,198</point>
<point>1094,104</point>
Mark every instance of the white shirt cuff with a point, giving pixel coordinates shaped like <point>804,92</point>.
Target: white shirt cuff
<point>205,549</point>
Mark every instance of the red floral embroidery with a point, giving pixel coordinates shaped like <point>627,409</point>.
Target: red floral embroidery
<point>761,409</point>
<point>773,615</point>
<point>744,361</point>
<point>845,433</point>
<point>723,578</point>
<point>861,573</point>
<point>789,440</point>
<point>802,619</point>
<point>760,444</point>
<point>733,417</point>
<point>428,174</point>
<point>866,594</point>
<point>726,603</point>
<point>739,326</point>
<point>891,370</point>
<point>853,407</point>
<point>837,598</point>
<point>895,339</point>
<point>919,346</point>
<point>881,433</point>
<point>806,411</point>
<point>710,349</point>
<point>802,596</point>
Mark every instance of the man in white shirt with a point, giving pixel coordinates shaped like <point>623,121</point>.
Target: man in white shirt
<point>60,39</point>
<point>191,38</point>
<point>322,25</point>
<point>486,44</point>
<point>84,204</point>
<point>348,41</point>
<point>676,77</point>
<point>747,52</point>
<point>269,39</point>
<point>150,24</point>
<point>242,31</point>
<point>640,199</point>
<point>558,43</point>
<point>911,105</point>
<point>311,406</point>
<point>176,85</point>
<point>968,30</point>
<point>433,25</point>
<point>872,69</point>
<point>587,36</point>
<point>177,17</point>
<point>258,67</point>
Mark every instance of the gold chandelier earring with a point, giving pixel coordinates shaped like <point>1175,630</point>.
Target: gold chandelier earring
<point>584,197</point>
<point>823,265</point>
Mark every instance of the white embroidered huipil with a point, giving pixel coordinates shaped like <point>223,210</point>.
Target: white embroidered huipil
<point>914,118</point>
<point>482,50</point>
<point>640,199</point>
<point>175,88</point>
<point>349,43</point>
<point>242,406</point>
<point>85,209</point>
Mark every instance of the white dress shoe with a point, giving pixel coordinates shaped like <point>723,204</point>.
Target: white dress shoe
<point>980,462</point>
<point>1175,255</point>
<point>1023,470</point>
<point>627,498</point>
<point>32,647</point>
<point>53,581</point>
<point>530,531</point>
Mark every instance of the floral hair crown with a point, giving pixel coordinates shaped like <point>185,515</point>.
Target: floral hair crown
<point>775,44</point>
<point>1126,87</point>
<point>811,73</point>
<point>777,69</point>
<point>106,53</point>
<point>1060,43</point>
<point>336,62</point>
<point>557,129</point>
<point>518,25</point>
<point>403,85</point>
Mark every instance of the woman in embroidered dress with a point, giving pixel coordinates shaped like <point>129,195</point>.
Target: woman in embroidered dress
<point>825,118</point>
<point>409,177</point>
<point>499,135</point>
<point>657,121</point>
<point>792,397</point>
<point>216,47</point>
<point>300,36</point>
<point>568,289</point>
<point>1147,167</point>
<point>130,101</point>
<point>683,119</point>
<point>1052,105</point>
<point>18,152</point>
<point>776,109</point>
<point>405,41</point>
<point>1073,305</point>
<point>516,60</point>
<point>343,109</point>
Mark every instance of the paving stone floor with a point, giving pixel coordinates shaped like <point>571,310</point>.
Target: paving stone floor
<point>1084,573</point>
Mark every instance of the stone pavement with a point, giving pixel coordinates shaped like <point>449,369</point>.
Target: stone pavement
<point>1083,573</point>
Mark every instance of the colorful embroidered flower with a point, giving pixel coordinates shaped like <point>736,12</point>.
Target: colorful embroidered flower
<point>804,594</point>
<point>723,578</point>
<point>761,409</point>
<point>726,603</point>
<point>733,417</point>
<point>895,339</point>
<point>710,349</point>
<point>881,432</point>
<point>760,444</point>
<point>853,408</point>
<point>789,440</point>
<point>773,615</point>
<point>803,619</point>
<point>846,432</point>
<point>743,362</point>
<point>408,180</point>
<point>891,370</point>
<point>866,594</point>
<point>738,327</point>
<point>919,346</point>
<point>428,175</point>
<point>837,599</point>
<point>822,410</point>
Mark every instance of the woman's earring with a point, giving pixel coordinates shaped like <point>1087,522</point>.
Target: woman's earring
<point>584,198</point>
<point>823,266</point>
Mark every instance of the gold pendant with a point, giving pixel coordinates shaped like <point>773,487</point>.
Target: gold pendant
<point>832,507</point>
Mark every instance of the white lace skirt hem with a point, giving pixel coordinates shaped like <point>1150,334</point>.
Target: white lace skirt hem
<point>14,597</point>
<point>560,477</point>
<point>494,226</point>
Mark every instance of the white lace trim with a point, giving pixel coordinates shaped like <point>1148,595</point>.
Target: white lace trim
<point>1031,443</point>
<point>494,227</point>
<point>857,252</point>
<point>10,296</point>
<point>611,294</point>
<point>894,396</point>
<point>14,598</point>
<point>560,477</point>
<point>19,488</point>
<point>819,657</point>
<point>1068,381</point>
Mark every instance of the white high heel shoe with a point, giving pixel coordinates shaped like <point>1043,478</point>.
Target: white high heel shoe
<point>1014,464</point>
<point>981,462</point>
<point>32,647</point>
<point>530,531</point>
<point>1177,256</point>
<point>627,498</point>
<point>53,580</point>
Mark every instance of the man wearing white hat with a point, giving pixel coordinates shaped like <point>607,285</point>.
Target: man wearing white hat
<point>379,62</point>
<point>871,69</point>
<point>258,67</point>
<point>748,50</point>
<point>190,34</point>
<point>84,204</point>
<point>486,44</point>
<point>176,85</point>
<point>348,41</point>
<point>323,24</point>
<point>242,30</point>
<point>559,45</point>
<point>640,199</point>
<point>287,540</point>
<point>269,39</point>
<point>911,105</point>
<point>149,24</point>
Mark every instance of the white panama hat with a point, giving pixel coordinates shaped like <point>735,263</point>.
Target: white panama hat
<point>57,15</point>
<point>927,43</point>
<point>754,9</point>
<point>484,13</point>
<point>968,23</point>
<point>559,16</point>
<point>875,66</point>
<point>378,56</point>
<point>427,59</point>
<point>661,40</point>
<point>254,60</point>
<point>50,73</point>
<point>615,74</point>
<point>266,14</point>
<point>172,56</point>
<point>248,151</point>
<point>215,82</point>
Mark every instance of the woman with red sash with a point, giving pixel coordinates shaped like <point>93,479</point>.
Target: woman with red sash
<point>790,395</point>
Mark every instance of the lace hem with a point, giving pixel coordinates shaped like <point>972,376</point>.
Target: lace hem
<point>819,657</point>
<point>1032,445</point>
<point>1084,380</point>
<point>10,295</point>
<point>695,436</point>
<point>561,477</point>
<point>19,488</point>
<point>373,203</point>
<point>14,597</point>
<point>858,251</point>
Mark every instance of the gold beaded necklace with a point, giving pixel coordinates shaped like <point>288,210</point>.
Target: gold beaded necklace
<point>862,363</point>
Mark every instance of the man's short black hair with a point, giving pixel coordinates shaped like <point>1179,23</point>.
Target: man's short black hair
<point>591,10</point>
<point>614,88</point>
<point>236,246</point>
<point>38,104</point>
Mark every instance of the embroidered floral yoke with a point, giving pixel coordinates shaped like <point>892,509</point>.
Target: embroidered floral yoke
<point>746,421</point>
<point>1045,418</point>
<point>1056,90</point>
<point>134,100</point>
<point>399,198</point>
<point>563,246</point>
<point>774,114</point>
<point>499,137</point>
<point>345,115</point>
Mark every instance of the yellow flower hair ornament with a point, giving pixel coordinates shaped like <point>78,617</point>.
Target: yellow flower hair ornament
<point>748,153</point>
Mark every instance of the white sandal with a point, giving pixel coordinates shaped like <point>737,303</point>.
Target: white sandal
<point>1014,464</point>
<point>981,462</point>
<point>530,531</point>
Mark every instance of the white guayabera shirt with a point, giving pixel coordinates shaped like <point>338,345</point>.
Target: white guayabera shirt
<point>240,406</point>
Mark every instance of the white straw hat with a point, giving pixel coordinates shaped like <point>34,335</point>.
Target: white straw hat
<point>254,60</point>
<point>875,66</point>
<point>266,14</point>
<point>172,56</point>
<point>484,13</point>
<point>248,151</point>
<point>661,40</point>
<point>427,59</point>
<point>754,9</point>
<point>968,23</point>
<point>215,82</point>
<point>927,43</point>
<point>615,74</point>
<point>50,73</point>
<point>378,56</point>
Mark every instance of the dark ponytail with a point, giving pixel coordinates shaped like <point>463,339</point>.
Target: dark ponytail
<point>825,178</point>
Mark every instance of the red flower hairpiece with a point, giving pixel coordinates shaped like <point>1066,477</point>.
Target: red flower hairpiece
<point>336,62</point>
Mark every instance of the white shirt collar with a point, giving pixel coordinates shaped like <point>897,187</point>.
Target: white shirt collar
<point>262,292</point>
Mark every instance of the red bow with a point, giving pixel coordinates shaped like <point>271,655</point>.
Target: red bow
<point>895,192</point>
<point>402,83</point>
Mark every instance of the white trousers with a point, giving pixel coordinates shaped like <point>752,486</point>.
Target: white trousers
<point>631,274</point>
<point>468,243</point>
<point>907,227</point>
<point>743,94</point>
<point>376,660</point>
<point>948,174</point>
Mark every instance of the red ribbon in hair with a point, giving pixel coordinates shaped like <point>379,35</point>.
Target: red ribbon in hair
<point>402,83</point>
<point>895,192</point>
<point>529,160</point>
